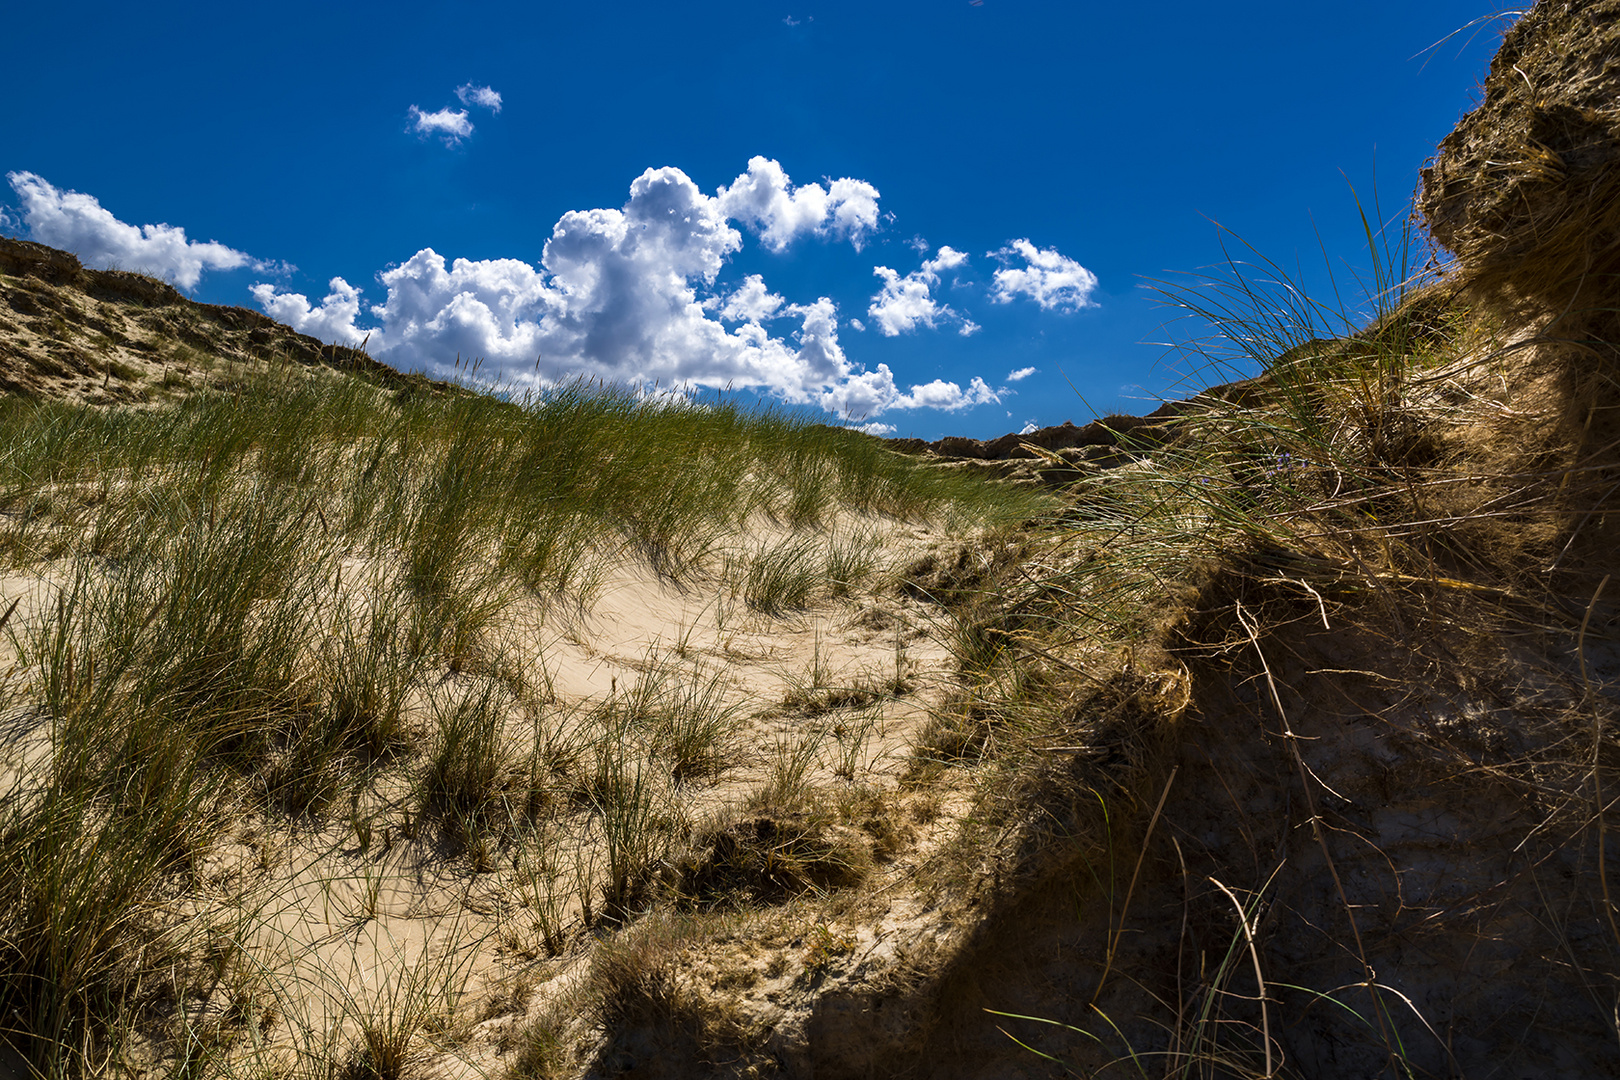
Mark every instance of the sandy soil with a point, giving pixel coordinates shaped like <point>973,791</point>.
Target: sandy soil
<point>365,916</point>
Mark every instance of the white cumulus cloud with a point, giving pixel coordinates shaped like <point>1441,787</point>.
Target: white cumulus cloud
<point>79,223</point>
<point>1055,282</point>
<point>483,96</point>
<point>332,321</point>
<point>905,303</point>
<point>1021,374</point>
<point>949,396</point>
<point>902,304</point>
<point>751,302</point>
<point>863,394</point>
<point>616,295</point>
<point>765,198</point>
<point>869,393</point>
<point>854,209</point>
<point>630,295</point>
<point>449,124</point>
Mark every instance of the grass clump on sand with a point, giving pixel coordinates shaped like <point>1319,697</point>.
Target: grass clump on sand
<point>463,484</point>
<point>267,604</point>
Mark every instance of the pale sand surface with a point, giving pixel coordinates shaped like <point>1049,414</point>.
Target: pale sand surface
<point>366,916</point>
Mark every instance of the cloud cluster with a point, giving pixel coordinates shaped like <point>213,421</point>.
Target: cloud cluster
<point>453,125</point>
<point>766,199</point>
<point>1055,282</point>
<point>631,295</point>
<point>616,295</point>
<point>750,302</point>
<point>905,303</point>
<point>483,96</point>
<point>871,393</point>
<point>333,320</point>
<point>450,124</point>
<point>79,223</point>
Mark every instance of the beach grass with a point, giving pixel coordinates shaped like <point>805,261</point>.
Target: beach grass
<point>288,598</point>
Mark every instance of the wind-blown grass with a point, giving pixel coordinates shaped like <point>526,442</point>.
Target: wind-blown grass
<point>1383,491</point>
<point>265,599</point>
<point>538,483</point>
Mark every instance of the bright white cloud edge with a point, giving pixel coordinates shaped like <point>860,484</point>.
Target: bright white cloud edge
<point>765,198</point>
<point>450,124</point>
<point>627,295</point>
<point>874,428</point>
<point>484,96</point>
<point>1054,281</point>
<point>616,295</point>
<point>905,303</point>
<point>76,222</point>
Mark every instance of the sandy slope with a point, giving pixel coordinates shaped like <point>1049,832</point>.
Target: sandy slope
<point>368,916</point>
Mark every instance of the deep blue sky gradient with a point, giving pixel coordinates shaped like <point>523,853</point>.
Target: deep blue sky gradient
<point>1114,133</point>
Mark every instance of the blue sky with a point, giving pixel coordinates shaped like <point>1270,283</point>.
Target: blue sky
<point>884,213</point>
